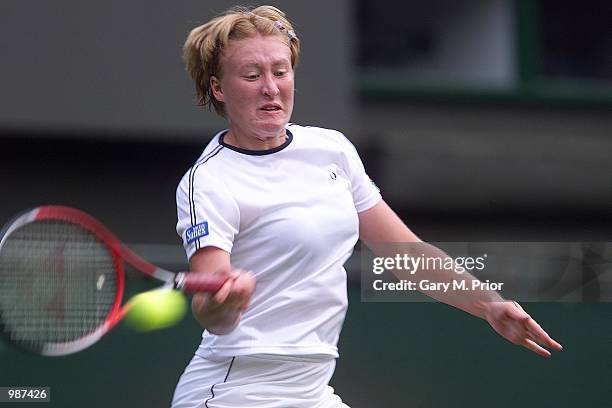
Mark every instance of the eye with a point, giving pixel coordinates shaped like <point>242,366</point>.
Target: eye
<point>251,77</point>
<point>280,73</point>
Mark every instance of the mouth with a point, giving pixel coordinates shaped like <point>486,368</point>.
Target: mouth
<point>271,107</point>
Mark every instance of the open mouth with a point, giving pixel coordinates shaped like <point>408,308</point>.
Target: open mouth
<point>271,108</point>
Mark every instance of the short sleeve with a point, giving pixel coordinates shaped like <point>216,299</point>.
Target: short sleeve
<point>365,193</point>
<point>207,214</point>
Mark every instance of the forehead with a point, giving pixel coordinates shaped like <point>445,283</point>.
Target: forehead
<point>258,50</point>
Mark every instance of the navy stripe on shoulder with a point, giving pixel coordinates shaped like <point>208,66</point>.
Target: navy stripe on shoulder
<point>198,163</point>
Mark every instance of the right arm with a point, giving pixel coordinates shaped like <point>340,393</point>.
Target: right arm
<point>202,200</point>
<point>220,313</point>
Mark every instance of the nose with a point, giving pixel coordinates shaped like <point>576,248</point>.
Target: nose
<point>270,88</point>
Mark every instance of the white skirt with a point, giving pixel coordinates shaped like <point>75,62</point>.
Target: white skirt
<point>257,381</point>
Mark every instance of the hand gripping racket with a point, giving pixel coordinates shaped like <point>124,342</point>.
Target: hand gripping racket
<point>62,280</point>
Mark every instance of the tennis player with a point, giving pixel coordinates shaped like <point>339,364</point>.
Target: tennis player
<point>288,203</point>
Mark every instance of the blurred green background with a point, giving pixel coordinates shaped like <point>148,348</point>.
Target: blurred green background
<point>392,355</point>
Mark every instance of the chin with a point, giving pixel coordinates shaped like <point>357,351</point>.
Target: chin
<point>273,129</point>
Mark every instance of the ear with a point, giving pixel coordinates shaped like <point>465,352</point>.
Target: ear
<point>215,86</point>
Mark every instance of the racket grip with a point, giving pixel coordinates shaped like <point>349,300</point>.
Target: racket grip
<point>198,282</point>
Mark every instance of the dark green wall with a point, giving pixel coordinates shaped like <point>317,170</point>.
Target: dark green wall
<point>392,355</point>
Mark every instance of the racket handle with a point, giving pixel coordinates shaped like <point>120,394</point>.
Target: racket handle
<point>198,282</point>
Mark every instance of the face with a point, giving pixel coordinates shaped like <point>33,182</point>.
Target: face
<point>256,86</point>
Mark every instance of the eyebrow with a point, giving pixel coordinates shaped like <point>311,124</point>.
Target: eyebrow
<point>254,64</point>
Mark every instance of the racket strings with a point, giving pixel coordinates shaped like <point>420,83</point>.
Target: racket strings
<point>57,283</point>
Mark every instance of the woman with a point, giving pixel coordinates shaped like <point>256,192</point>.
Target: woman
<point>288,203</point>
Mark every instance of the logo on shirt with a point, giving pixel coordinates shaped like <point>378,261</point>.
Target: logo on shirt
<point>196,232</point>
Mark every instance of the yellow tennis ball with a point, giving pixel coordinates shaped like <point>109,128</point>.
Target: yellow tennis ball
<point>156,309</point>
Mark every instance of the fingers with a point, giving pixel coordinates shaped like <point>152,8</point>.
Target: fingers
<point>221,295</point>
<point>242,290</point>
<point>536,348</point>
<point>534,330</point>
<point>536,337</point>
<point>540,336</point>
<point>517,326</point>
<point>199,301</point>
<point>236,292</point>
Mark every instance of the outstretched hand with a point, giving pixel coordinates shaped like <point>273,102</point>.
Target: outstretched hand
<point>511,322</point>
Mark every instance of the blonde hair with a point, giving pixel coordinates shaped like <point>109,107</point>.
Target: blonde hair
<point>205,44</point>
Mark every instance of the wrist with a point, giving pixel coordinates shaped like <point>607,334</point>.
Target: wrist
<point>483,306</point>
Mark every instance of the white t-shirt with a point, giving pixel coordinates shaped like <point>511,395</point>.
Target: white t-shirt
<point>289,215</point>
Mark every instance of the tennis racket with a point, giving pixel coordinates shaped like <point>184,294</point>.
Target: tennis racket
<point>62,280</point>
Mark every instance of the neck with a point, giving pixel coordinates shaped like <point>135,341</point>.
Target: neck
<point>253,142</point>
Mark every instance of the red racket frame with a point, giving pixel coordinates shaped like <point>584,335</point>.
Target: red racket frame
<point>187,282</point>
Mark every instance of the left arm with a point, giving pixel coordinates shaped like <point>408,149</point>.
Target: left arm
<point>379,225</point>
